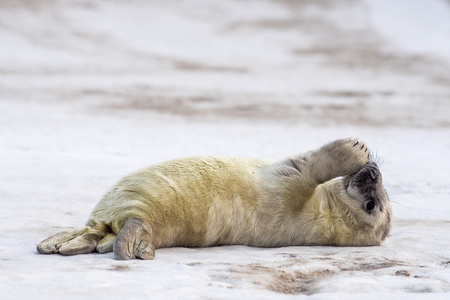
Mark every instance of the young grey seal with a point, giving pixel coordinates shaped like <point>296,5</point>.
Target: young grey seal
<point>330,196</point>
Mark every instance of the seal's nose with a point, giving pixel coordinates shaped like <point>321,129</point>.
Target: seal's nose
<point>368,174</point>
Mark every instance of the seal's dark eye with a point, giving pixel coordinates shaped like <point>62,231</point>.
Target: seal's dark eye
<point>370,205</point>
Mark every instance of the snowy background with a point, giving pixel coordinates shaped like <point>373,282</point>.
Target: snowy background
<point>92,90</point>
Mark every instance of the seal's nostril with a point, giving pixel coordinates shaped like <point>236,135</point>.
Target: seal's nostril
<point>369,174</point>
<point>370,205</point>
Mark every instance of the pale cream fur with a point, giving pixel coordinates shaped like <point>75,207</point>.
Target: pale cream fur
<point>205,201</point>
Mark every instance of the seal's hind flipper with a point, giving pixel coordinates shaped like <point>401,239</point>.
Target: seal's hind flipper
<point>105,245</point>
<point>70,242</point>
<point>134,241</point>
<point>53,243</point>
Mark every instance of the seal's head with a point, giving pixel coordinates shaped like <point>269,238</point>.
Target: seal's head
<point>369,202</point>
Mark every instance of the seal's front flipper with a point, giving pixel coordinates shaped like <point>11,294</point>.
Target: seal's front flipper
<point>338,158</point>
<point>70,242</point>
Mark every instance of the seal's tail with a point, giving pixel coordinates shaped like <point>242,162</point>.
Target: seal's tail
<point>78,241</point>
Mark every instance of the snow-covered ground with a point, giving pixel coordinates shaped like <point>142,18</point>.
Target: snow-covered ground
<point>92,90</point>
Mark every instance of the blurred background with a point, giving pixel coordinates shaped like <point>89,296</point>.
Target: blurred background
<point>320,62</point>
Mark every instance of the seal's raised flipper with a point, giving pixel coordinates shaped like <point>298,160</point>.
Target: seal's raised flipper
<point>135,240</point>
<point>70,242</point>
<point>299,175</point>
<point>338,158</point>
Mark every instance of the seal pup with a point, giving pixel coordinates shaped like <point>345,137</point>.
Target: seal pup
<point>330,196</point>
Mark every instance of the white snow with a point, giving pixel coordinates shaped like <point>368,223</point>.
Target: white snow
<point>90,91</point>
<point>416,26</point>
